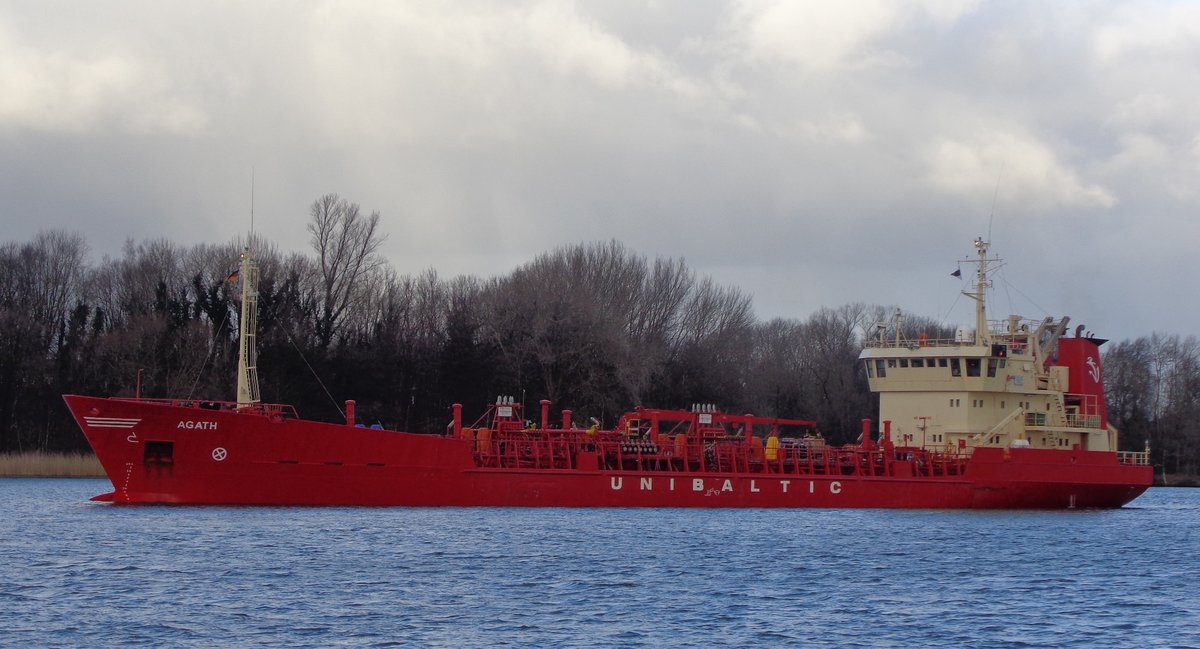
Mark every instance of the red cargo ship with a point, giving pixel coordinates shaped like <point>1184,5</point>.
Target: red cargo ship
<point>1009,415</point>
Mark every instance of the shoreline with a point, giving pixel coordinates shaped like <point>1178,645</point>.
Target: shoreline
<point>1176,480</point>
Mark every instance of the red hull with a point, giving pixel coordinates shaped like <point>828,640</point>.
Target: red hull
<point>160,453</point>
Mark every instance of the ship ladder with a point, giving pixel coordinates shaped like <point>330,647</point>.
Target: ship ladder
<point>1061,415</point>
<point>999,428</point>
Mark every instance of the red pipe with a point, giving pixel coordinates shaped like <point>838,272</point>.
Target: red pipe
<point>867,444</point>
<point>349,412</point>
<point>545,413</point>
<point>566,420</point>
<point>457,419</point>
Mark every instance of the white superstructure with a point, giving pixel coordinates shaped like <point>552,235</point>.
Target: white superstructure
<point>1007,383</point>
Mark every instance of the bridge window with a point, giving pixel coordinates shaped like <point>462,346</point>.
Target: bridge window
<point>903,362</point>
<point>955,368</point>
<point>941,362</point>
<point>870,369</point>
<point>973,366</point>
<point>916,362</point>
<point>879,368</point>
<point>991,368</point>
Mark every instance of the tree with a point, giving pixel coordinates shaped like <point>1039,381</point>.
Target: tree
<point>347,247</point>
<point>1129,385</point>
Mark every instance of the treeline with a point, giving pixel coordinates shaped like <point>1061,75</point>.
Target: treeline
<point>595,328</point>
<point>1153,391</point>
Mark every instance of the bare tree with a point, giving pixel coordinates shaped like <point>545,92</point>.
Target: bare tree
<point>41,279</point>
<point>346,244</point>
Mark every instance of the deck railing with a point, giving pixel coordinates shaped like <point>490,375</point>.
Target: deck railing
<point>550,450</point>
<point>1134,458</point>
<point>916,344</point>
<point>1041,420</point>
<point>281,410</point>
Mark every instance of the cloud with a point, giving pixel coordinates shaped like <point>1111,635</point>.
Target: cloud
<point>1148,56</point>
<point>1146,31</point>
<point>766,141</point>
<point>1023,166</point>
<point>569,44</point>
<point>821,36</point>
<point>57,91</point>
<point>413,71</point>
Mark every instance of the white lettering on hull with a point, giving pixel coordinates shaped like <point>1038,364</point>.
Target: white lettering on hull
<point>726,485</point>
<point>197,425</point>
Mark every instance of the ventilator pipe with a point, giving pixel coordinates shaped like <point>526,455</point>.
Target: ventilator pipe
<point>887,434</point>
<point>566,420</point>
<point>867,444</point>
<point>545,413</point>
<point>457,408</point>
<point>349,412</point>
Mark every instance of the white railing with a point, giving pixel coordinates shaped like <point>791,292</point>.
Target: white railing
<point>1135,458</point>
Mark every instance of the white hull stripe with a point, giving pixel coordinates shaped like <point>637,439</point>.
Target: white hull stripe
<point>110,422</point>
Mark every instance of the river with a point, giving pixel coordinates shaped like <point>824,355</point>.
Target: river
<point>77,573</point>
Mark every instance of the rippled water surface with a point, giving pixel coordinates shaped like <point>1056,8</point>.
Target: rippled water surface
<point>76,573</point>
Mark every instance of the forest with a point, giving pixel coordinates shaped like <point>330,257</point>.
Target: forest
<point>592,327</point>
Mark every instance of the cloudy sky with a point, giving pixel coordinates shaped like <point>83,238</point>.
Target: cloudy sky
<point>811,153</point>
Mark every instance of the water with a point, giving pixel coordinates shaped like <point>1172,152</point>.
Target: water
<point>75,573</point>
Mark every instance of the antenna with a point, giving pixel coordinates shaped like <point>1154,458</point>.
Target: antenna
<point>251,202</point>
<point>994,195</point>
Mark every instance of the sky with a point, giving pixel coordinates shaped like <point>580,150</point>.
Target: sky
<point>810,153</point>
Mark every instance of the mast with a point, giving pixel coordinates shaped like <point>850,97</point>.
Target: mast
<point>982,336</point>
<point>247,378</point>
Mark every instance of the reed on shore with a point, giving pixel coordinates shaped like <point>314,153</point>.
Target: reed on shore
<point>38,464</point>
